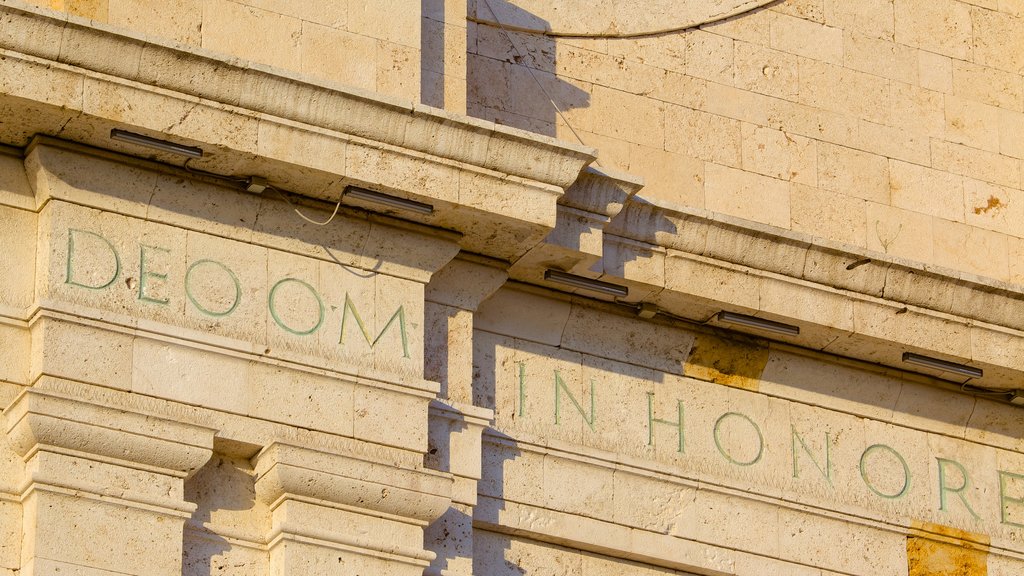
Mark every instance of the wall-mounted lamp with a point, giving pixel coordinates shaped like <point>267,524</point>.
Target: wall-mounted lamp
<point>149,142</point>
<point>759,323</point>
<point>387,200</point>
<point>944,365</point>
<point>1017,397</point>
<point>585,283</point>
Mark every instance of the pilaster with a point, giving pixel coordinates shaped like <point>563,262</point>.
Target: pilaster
<point>334,513</point>
<point>103,488</point>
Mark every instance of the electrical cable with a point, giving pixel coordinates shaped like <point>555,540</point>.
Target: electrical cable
<point>284,197</point>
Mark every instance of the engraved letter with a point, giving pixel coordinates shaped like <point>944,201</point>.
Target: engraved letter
<point>559,387</point>
<point>399,315</point>
<point>145,274</point>
<point>721,450</point>
<point>651,421</point>
<point>277,319</point>
<point>826,471</point>
<point>943,488</point>
<point>70,277</point>
<point>192,298</point>
<point>1005,500</point>
<point>864,476</point>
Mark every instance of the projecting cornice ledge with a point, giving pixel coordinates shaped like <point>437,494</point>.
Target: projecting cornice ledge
<point>692,264</point>
<point>313,138</point>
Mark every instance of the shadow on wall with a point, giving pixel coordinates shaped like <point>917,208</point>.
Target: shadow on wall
<point>510,76</point>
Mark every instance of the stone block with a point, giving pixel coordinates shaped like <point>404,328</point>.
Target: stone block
<point>807,38</point>
<point>180,21</point>
<point>668,178</point>
<point>767,71</point>
<point>972,124</point>
<point>1011,134</point>
<point>328,53</point>
<point>827,214</point>
<point>899,232</point>
<point>918,110</point>
<point>17,260</point>
<point>988,85</point>
<point>709,56</point>
<point>396,21</point>
<point>398,70</point>
<point>629,117</point>
<point>778,154</point>
<point>942,26</point>
<point>882,57</point>
<point>823,125</point>
<point>926,190</point>
<point>81,352</point>
<point>853,173</point>
<point>977,164</point>
<point>870,17</point>
<point>812,10</point>
<point>713,281</point>
<point>655,346</point>
<point>230,28</point>
<point>935,71</point>
<point>962,247</point>
<point>863,95</point>
<point>523,315</point>
<point>893,141</point>
<point>15,190</point>
<point>738,104</point>
<point>747,195</point>
<point>995,40</point>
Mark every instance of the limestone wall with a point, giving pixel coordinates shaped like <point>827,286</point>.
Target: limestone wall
<point>893,126</point>
<point>370,45</point>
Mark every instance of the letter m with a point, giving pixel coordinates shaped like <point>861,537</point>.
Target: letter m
<point>399,315</point>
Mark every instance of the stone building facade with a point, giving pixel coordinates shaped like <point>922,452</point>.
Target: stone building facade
<point>502,288</point>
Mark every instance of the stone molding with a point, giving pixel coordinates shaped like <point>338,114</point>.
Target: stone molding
<point>416,496</point>
<point>42,420</point>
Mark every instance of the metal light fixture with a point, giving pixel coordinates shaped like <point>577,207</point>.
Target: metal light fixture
<point>575,281</point>
<point>150,142</point>
<point>387,200</point>
<point>1016,397</point>
<point>759,323</point>
<point>944,365</point>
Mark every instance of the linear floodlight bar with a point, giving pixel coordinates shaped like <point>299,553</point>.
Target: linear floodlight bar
<point>150,142</point>
<point>388,200</point>
<point>585,283</point>
<point>944,365</point>
<point>759,323</point>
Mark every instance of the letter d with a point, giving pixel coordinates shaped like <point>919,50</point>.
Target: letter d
<point>72,246</point>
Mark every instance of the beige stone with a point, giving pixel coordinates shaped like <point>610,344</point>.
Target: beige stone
<point>747,195</point>
<point>900,232</point>
<point>972,124</point>
<point>853,173</point>
<point>827,214</point>
<point>761,69</point>
<point>935,71</point>
<point>871,18</point>
<point>779,155</point>
<point>323,52</point>
<point>864,95</point>
<point>925,190</point>
<point>994,40</point>
<point>882,57</point>
<point>236,25</point>
<point>806,38</point>
<point>180,21</point>
<point>988,85</point>
<point>978,164</point>
<point>701,135</point>
<point>967,248</point>
<point>944,26</point>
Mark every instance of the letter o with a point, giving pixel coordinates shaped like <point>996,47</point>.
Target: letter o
<point>906,471</point>
<point>200,307</point>
<point>718,442</point>
<point>273,309</point>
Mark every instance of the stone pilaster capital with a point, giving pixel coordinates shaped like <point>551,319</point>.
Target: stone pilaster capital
<point>39,420</point>
<point>466,281</point>
<point>286,471</point>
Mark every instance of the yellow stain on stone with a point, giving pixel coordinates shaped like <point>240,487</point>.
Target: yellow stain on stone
<point>91,9</point>
<point>724,361</point>
<point>937,550</point>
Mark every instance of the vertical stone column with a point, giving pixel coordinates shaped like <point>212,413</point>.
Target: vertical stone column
<point>456,425</point>
<point>337,514</point>
<point>103,488</point>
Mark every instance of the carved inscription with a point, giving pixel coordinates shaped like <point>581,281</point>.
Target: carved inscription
<point>743,442</point>
<point>214,289</point>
